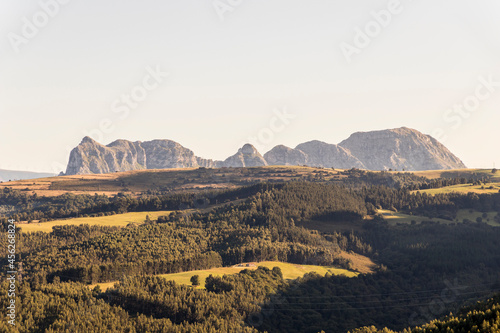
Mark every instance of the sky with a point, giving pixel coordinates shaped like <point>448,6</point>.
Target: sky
<point>215,74</point>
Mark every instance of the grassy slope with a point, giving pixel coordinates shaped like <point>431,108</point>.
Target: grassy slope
<point>393,218</point>
<point>466,188</point>
<point>290,272</point>
<point>172,179</point>
<point>112,220</point>
<point>462,188</point>
<point>433,174</point>
<point>183,179</point>
<point>473,215</point>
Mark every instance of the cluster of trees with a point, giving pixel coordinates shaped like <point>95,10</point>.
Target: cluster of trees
<point>431,270</point>
<point>410,181</point>
<point>144,304</point>
<point>261,228</point>
<point>444,206</point>
<point>29,207</point>
<point>415,260</point>
<point>107,255</point>
<point>481,317</point>
<point>424,262</point>
<point>231,298</point>
<point>23,206</point>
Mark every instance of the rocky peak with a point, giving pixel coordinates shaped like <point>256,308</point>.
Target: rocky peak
<point>88,139</point>
<point>283,155</point>
<point>400,148</point>
<point>329,155</point>
<point>247,156</point>
<point>248,149</point>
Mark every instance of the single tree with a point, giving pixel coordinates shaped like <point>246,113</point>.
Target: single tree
<point>195,280</point>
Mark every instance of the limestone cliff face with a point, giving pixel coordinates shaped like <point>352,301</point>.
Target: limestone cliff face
<point>398,149</point>
<point>313,153</point>
<point>401,148</point>
<point>247,156</point>
<point>92,157</point>
<point>283,155</point>
<point>165,154</point>
<point>327,155</point>
<point>122,155</point>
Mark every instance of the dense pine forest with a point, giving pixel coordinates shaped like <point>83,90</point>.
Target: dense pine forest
<point>481,317</point>
<point>422,271</point>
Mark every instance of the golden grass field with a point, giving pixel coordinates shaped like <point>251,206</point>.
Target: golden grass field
<point>433,174</point>
<point>120,220</point>
<point>134,182</point>
<point>290,272</point>
<point>465,188</point>
<point>48,186</point>
<point>359,263</point>
<point>181,179</point>
<point>473,215</point>
<point>393,218</point>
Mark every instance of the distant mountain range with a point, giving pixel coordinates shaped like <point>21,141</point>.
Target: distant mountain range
<point>397,149</point>
<point>6,175</point>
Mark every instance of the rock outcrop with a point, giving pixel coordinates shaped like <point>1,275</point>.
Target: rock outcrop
<point>122,155</point>
<point>396,149</point>
<point>313,153</point>
<point>247,156</point>
<point>322,154</point>
<point>401,148</point>
<point>283,155</point>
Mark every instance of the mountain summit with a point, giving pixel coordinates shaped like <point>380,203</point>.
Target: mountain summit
<point>401,148</point>
<point>122,155</point>
<point>247,156</point>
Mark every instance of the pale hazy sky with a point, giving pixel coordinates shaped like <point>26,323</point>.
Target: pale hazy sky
<point>234,64</point>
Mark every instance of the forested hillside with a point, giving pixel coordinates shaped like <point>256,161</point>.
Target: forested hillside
<point>481,317</point>
<point>416,265</point>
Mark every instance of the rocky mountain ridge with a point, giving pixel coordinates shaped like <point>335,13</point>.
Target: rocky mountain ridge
<point>398,149</point>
